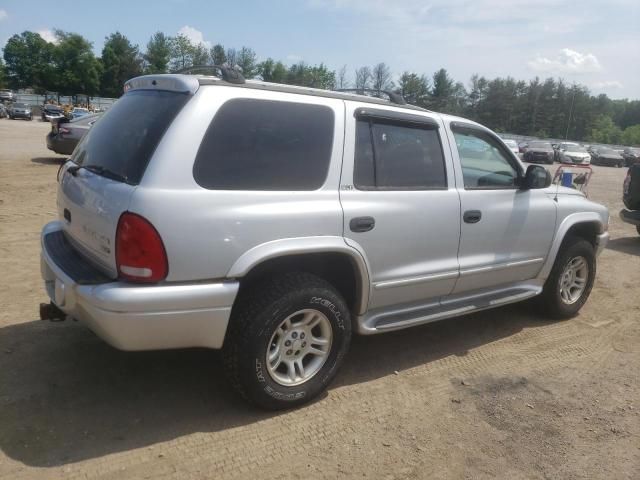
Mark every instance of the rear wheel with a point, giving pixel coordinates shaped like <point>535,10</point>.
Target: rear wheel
<point>286,340</point>
<point>638,229</point>
<point>570,281</point>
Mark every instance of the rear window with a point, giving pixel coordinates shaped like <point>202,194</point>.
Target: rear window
<point>124,139</point>
<point>266,145</point>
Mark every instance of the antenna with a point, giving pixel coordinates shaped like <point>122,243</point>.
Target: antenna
<point>228,74</point>
<point>393,97</point>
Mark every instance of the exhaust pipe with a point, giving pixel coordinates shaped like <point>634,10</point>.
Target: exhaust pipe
<point>49,311</point>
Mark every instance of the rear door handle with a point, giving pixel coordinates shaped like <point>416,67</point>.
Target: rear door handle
<point>362,224</point>
<point>472,216</point>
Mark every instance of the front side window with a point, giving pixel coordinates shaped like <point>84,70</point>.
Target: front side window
<point>484,163</point>
<point>396,156</point>
<point>266,145</point>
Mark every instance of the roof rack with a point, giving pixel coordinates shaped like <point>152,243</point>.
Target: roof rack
<point>229,74</point>
<point>393,97</point>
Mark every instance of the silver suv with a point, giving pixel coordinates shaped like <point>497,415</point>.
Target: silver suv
<point>273,221</point>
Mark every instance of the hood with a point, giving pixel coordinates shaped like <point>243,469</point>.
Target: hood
<point>576,154</point>
<point>560,190</point>
<point>612,156</point>
<point>540,150</point>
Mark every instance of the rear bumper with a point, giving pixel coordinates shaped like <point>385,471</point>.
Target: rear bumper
<point>630,216</point>
<point>62,146</point>
<point>135,317</point>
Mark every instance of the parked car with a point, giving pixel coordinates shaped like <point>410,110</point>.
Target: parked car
<point>631,155</point>
<point>78,112</point>
<point>273,222</point>
<point>65,134</point>
<point>3,111</point>
<point>606,156</point>
<point>19,110</point>
<point>513,145</point>
<point>572,153</point>
<point>522,146</point>
<point>6,95</point>
<point>538,151</point>
<point>631,197</point>
<point>51,112</point>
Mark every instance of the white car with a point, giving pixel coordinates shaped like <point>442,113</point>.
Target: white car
<point>573,153</point>
<point>512,144</point>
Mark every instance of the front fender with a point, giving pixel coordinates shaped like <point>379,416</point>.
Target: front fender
<point>301,246</point>
<point>566,224</point>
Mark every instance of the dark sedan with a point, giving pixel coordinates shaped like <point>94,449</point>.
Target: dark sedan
<point>631,156</point>
<point>51,112</point>
<point>606,156</point>
<point>65,134</point>
<point>538,152</point>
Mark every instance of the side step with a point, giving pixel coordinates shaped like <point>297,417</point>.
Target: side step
<point>385,321</point>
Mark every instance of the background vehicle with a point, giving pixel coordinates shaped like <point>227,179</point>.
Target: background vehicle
<point>78,112</point>
<point>522,147</point>
<point>631,155</point>
<point>606,156</point>
<point>6,96</point>
<point>513,145</point>
<point>51,112</point>
<point>19,110</point>
<point>292,197</point>
<point>3,111</point>
<point>572,153</point>
<point>631,197</point>
<point>65,134</point>
<point>538,151</point>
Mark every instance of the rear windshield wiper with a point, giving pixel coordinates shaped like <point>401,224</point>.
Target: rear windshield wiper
<point>99,170</point>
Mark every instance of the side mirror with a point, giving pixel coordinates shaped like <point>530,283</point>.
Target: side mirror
<point>536,177</point>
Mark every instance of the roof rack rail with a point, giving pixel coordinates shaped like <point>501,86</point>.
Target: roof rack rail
<point>393,96</point>
<point>229,74</point>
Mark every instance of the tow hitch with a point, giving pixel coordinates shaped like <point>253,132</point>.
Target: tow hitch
<point>49,311</point>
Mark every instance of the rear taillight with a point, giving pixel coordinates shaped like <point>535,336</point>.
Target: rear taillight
<point>140,253</point>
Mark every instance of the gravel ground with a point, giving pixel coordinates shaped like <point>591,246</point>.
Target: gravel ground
<point>501,393</point>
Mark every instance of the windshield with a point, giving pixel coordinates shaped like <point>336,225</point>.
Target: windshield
<point>546,145</point>
<point>19,105</point>
<point>608,151</point>
<point>124,139</point>
<point>511,143</point>
<point>575,148</point>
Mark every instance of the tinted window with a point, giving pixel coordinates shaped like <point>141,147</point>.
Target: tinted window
<point>395,156</point>
<point>484,163</point>
<point>266,145</point>
<point>127,135</point>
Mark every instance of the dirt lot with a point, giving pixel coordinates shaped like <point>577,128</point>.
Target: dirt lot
<point>498,394</point>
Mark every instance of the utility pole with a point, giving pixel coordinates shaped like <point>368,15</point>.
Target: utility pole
<point>566,135</point>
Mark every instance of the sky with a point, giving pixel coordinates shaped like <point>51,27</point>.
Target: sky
<point>592,42</point>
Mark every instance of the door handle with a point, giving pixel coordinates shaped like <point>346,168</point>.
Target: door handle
<point>472,216</point>
<point>362,224</point>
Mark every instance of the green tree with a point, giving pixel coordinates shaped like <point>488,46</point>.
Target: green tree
<point>158,54</point>
<point>3,75</point>
<point>442,91</point>
<point>182,52</point>
<point>247,62</point>
<point>272,71</point>
<point>414,88</point>
<point>78,70</point>
<point>120,61</point>
<point>631,135</point>
<point>218,57</point>
<point>605,131</point>
<point>201,55</point>
<point>28,58</point>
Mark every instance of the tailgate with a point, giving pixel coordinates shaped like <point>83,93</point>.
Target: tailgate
<point>90,206</point>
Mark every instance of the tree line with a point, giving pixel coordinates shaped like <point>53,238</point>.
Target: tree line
<point>542,108</point>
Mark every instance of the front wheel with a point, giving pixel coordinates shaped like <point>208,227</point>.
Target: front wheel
<point>571,279</point>
<point>286,340</point>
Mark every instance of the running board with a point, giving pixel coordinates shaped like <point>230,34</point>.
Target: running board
<point>388,320</point>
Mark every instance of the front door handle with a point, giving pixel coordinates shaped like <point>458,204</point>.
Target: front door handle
<point>472,216</point>
<point>362,224</point>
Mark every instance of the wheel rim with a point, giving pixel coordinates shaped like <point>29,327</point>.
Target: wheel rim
<point>299,347</point>
<point>573,280</point>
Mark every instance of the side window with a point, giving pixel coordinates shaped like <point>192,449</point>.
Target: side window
<point>266,145</point>
<point>396,156</point>
<point>484,162</point>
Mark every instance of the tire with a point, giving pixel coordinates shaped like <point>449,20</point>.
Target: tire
<point>552,301</point>
<point>638,229</point>
<point>258,328</point>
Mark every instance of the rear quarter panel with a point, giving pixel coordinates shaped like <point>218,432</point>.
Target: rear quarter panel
<point>206,231</point>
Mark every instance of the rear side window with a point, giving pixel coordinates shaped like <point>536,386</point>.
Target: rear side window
<point>394,156</point>
<point>266,145</point>
<point>126,136</point>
